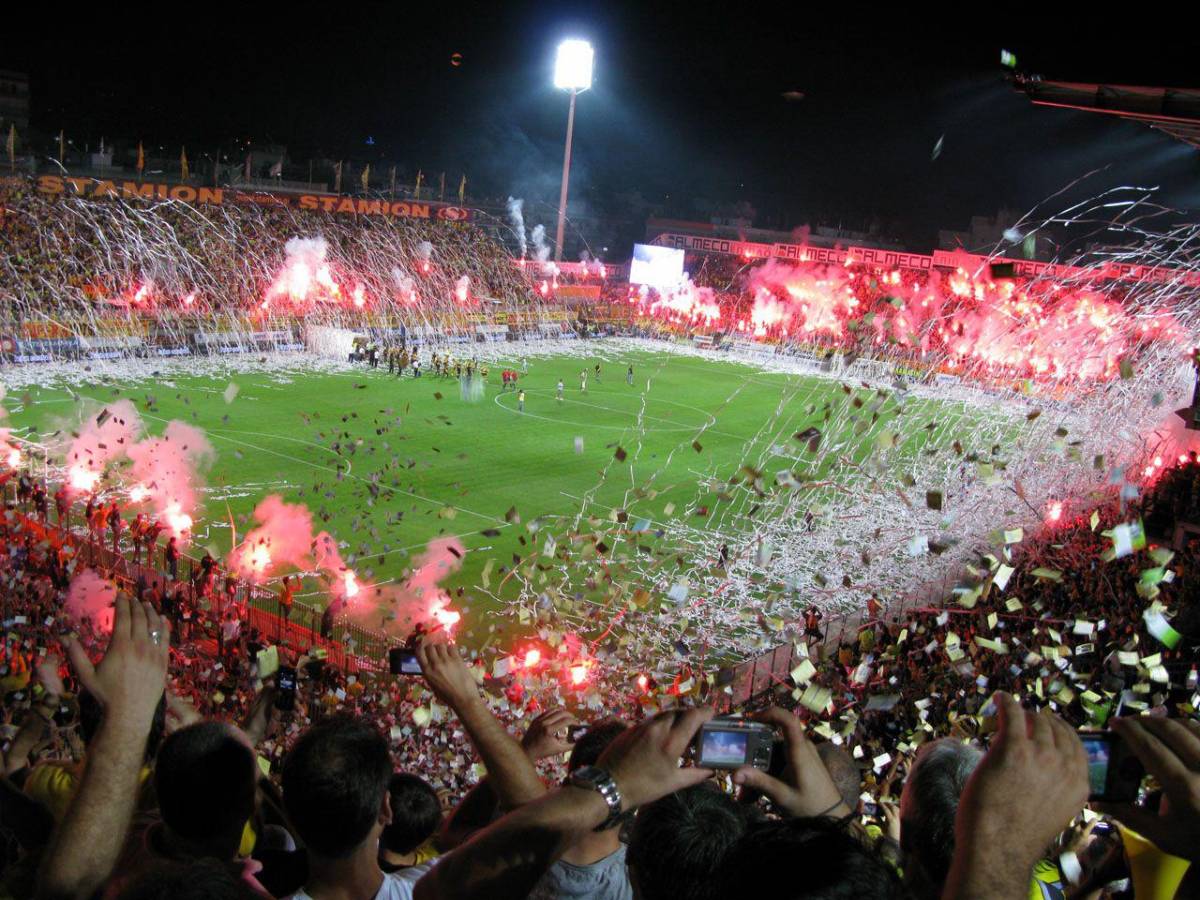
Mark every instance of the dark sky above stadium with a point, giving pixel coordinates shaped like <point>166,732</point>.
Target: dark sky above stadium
<point>687,103</point>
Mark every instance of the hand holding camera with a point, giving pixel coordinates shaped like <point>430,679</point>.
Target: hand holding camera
<point>804,787</point>
<point>644,760</point>
<point>1170,751</point>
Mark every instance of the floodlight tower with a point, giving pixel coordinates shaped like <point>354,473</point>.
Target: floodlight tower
<point>572,72</point>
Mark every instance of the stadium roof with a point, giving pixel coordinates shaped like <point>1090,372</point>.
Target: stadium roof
<point>1175,111</point>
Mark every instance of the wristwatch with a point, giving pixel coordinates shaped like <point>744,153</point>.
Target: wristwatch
<point>593,778</point>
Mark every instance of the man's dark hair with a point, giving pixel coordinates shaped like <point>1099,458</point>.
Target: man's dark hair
<point>928,808</point>
<point>815,859</point>
<point>416,813</point>
<point>842,769</point>
<point>334,781</point>
<point>91,714</point>
<point>205,780</point>
<point>677,844</point>
<point>201,879</point>
<point>594,742</point>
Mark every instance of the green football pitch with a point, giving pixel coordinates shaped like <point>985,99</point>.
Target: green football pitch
<point>387,464</point>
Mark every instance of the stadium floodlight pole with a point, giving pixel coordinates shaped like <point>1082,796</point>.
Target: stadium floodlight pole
<point>572,72</point>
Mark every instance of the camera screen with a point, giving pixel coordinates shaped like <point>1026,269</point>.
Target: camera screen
<point>1097,756</point>
<point>723,748</point>
<point>402,661</point>
<point>286,679</point>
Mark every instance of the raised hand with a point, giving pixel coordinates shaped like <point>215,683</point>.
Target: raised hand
<point>1170,751</point>
<point>547,734</point>
<point>447,674</point>
<point>129,680</point>
<point>1029,785</point>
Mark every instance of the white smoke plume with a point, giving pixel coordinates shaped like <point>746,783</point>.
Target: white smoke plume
<point>517,216</point>
<point>541,250</point>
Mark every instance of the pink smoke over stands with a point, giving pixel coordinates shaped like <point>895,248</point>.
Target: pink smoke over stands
<point>90,597</point>
<point>343,583</point>
<point>102,439</point>
<point>167,469</point>
<point>283,538</point>
<point>419,600</point>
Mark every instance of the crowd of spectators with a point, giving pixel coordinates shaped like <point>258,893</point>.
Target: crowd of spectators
<point>74,259</point>
<point>166,757</point>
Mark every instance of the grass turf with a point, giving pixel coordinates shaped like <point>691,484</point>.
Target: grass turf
<point>387,464</point>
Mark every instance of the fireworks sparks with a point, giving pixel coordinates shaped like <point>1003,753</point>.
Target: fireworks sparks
<point>259,559</point>
<point>178,521</point>
<point>81,478</point>
<point>441,613</point>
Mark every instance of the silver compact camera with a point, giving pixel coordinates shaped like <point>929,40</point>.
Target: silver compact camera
<point>732,743</point>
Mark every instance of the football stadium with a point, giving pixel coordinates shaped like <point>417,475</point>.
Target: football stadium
<point>361,535</point>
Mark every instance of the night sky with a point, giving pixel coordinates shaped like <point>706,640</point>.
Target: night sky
<point>687,102</point>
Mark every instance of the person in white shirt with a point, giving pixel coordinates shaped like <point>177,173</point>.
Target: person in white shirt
<point>335,792</point>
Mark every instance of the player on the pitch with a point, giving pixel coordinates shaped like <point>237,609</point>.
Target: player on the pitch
<point>629,376</point>
<point>583,381</point>
<point>558,391</point>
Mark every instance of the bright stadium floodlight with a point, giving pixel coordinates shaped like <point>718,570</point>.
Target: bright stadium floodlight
<point>572,72</point>
<point>573,66</point>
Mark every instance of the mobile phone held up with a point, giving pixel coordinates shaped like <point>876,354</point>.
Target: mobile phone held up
<point>575,732</point>
<point>733,743</point>
<point>402,661</point>
<point>285,689</point>
<point>1114,773</point>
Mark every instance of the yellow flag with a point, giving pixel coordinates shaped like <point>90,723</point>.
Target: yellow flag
<point>11,146</point>
<point>366,176</point>
<point>183,166</point>
<point>417,190</point>
<point>141,162</point>
<point>462,190</point>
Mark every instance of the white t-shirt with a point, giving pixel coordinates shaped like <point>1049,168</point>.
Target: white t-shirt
<point>396,885</point>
